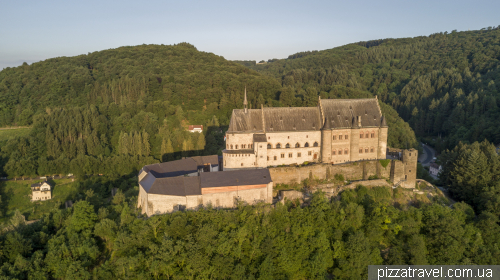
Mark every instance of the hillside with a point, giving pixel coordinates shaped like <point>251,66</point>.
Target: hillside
<point>443,84</point>
<point>110,112</point>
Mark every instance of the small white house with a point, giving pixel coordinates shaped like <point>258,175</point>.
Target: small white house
<point>195,128</point>
<point>434,169</point>
<point>41,191</point>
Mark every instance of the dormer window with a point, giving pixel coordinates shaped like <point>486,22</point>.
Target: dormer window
<point>315,144</point>
<point>269,146</point>
<point>306,145</point>
<point>287,146</point>
<point>297,145</point>
<point>278,146</point>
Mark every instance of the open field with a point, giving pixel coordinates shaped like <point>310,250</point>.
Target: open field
<point>13,132</point>
<point>16,195</point>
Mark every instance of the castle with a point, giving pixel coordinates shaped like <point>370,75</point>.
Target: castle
<point>335,131</point>
<point>265,146</point>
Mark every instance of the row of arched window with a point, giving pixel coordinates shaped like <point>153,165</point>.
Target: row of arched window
<point>366,150</point>
<point>340,152</point>
<point>243,146</point>
<point>287,145</point>
<point>367,134</point>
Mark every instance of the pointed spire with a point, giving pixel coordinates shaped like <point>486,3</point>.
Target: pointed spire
<point>245,102</point>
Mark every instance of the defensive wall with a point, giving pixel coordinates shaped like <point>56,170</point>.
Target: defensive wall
<point>402,172</point>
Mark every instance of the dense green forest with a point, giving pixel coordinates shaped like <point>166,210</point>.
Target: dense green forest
<point>102,239</point>
<point>111,112</point>
<point>444,85</point>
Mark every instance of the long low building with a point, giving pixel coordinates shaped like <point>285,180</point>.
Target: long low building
<point>179,185</point>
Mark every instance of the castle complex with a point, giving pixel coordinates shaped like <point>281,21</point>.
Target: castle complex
<point>336,131</point>
<point>265,146</point>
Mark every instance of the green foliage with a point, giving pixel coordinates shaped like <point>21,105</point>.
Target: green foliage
<point>472,173</point>
<point>384,162</point>
<point>113,240</point>
<point>339,177</point>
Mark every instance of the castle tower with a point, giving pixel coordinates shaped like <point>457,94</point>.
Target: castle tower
<point>245,102</point>
<point>409,159</point>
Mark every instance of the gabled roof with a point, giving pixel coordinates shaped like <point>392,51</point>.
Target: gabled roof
<point>39,184</point>
<point>330,114</point>
<point>183,186</point>
<point>343,113</point>
<point>180,167</point>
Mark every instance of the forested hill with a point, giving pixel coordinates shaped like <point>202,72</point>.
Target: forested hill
<point>110,112</point>
<point>179,74</point>
<point>443,84</point>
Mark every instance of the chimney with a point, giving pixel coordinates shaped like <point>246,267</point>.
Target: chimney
<point>359,121</point>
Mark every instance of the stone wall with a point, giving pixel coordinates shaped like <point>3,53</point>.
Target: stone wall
<point>153,204</point>
<point>351,171</point>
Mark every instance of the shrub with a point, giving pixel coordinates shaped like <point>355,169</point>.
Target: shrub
<point>339,177</point>
<point>384,162</point>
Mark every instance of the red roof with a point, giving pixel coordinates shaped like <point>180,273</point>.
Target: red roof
<point>192,127</point>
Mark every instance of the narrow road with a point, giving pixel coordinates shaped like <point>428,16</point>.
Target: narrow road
<point>427,156</point>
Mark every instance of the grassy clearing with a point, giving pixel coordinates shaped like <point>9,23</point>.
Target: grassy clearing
<point>6,134</point>
<point>16,195</point>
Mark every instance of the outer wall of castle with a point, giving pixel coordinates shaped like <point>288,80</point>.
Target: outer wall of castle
<point>153,204</point>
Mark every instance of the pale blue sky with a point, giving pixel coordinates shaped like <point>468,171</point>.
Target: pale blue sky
<point>245,30</point>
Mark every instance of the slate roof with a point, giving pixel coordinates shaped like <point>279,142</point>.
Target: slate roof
<point>177,186</point>
<point>337,113</point>
<point>39,184</point>
<point>180,167</point>
<point>183,186</point>
<point>343,113</point>
<point>235,178</point>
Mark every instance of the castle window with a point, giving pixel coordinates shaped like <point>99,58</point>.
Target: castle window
<point>275,158</point>
<point>334,152</point>
<point>267,158</point>
<point>366,134</point>
<point>306,145</point>
<point>346,152</point>
<point>340,137</point>
<point>250,146</point>
<point>334,137</point>
<point>409,171</point>
<point>360,150</point>
<point>373,134</point>
<point>269,146</point>
<point>299,154</point>
<point>236,147</point>
<point>340,151</point>
<point>297,145</point>
<point>282,155</point>
<point>287,145</point>
<point>307,136</point>
<point>371,150</point>
<point>309,153</point>
<point>366,150</point>
<point>315,144</point>
<point>290,155</point>
<point>243,146</point>
<point>361,135</point>
<point>288,137</point>
<point>278,146</point>
<point>410,154</point>
<point>231,146</point>
<point>346,137</point>
<point>242,164</point>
